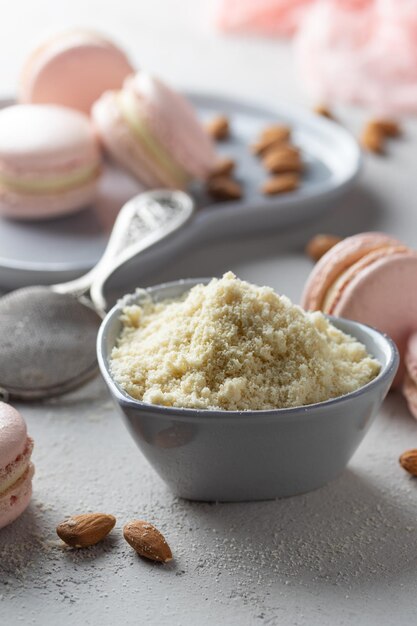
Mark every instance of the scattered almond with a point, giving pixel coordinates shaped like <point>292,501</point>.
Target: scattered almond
<point>81,531</point>
<point>283,159</point>
<point>278,132</point>
<point>320,244</point>
<point>324,111</point>
<point>281,183</point>
<point>147,541</point>
<point>271,138</point>
<point>372,138</point>
<point>388,127</point>
<point>218,128</point>
<point>408,460</point>
<point>223,167</point>
<point>224,188</point>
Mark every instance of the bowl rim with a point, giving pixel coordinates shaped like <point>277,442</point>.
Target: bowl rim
<point>189,414</point>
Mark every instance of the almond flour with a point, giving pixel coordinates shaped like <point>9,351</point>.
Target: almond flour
<point>231,345</point>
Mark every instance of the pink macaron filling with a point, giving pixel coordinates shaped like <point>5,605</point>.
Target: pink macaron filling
<point>16,470</point>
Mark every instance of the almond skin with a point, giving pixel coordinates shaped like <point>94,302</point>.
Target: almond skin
<point>277,132</point>
<point>388,127</point>
<point>223,167</point>
<point>224,188</point>
<point>282,159</point>
<point>218,128</point>
<point>320,244</point>
<point>81,531</point>
<point>408,460</point>
<point>281,183</point>
<point>372,139</point>
<point>324,111</point>
<point>147,541</point>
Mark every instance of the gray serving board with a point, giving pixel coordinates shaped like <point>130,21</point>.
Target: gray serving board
<point>61,249</point>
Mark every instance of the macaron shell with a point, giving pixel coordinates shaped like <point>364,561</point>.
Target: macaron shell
<point>13,434</point>
<point>119,141</point>
<point>15,500</point>
<point>409,390</point>
<point>173,121</point>
<point>335,292</point>
<point>73,70</point>
<point>383,295</point>
<point>411,357</point>
<point>339,258</point>
<point>39,138</point>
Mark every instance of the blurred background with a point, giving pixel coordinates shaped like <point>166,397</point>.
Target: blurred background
<point>173,38</point>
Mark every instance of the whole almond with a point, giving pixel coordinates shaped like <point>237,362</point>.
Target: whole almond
<point>372,139</point>
<point>147,541</point>
<point>278,132</point>
<point>281,183</point>
<point>387,126</point>
<point>81,531</point>
<point>320,244</point>
<point>263,146</point>
<point>218,128</point>
<point>224,188</point>
<point>324,111</point>
<point>408,460</point>
<point>223,167</point>
<point>282,159</point>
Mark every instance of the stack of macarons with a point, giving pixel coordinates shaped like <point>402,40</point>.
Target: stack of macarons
<point>50,151</point>
<point>16,469</point>
<point>370,278</point>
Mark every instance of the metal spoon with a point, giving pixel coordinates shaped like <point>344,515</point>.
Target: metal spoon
<point>48,333</point>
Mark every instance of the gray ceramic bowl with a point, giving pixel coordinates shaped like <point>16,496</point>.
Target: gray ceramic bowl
<point>250,455</point>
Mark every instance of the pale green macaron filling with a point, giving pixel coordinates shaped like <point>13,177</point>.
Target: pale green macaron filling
<point>50,184</point>
<point>153,148</point>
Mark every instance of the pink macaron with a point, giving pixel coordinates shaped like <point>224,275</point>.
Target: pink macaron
<point>410,379</point>
<point>49,161</point>
<point>16,470</point>
<point>370,278</point>
<point>73,69</point>
<point>154,133</point>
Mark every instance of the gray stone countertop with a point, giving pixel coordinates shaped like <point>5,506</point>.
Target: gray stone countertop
<point>345,554</point>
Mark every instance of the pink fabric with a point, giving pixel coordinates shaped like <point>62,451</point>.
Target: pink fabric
<point>363,52</point>
<point>263,17</point>
<point>358,51</point>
